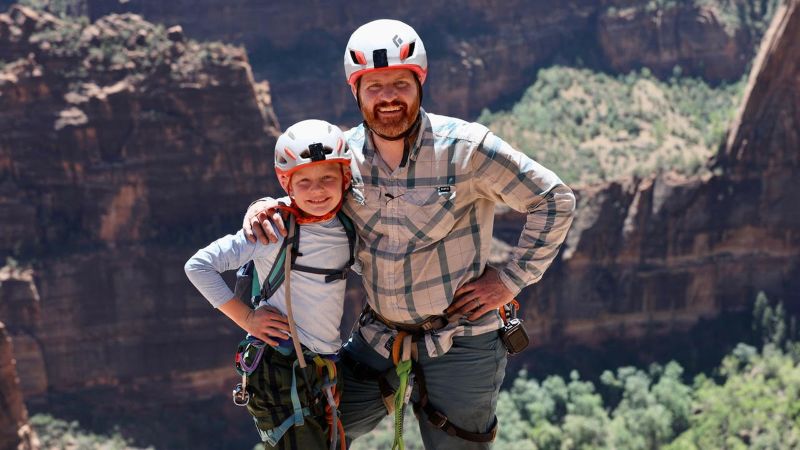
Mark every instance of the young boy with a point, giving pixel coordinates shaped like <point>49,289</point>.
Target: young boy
<point>312,162</point>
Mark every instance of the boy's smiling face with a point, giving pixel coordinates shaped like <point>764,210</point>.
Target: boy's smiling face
<point>317,188</point>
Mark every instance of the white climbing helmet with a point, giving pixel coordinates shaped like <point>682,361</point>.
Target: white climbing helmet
<point>384,44</point>
<point>310,142</point>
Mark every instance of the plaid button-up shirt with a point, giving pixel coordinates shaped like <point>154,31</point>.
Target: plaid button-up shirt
<point>426,227</point>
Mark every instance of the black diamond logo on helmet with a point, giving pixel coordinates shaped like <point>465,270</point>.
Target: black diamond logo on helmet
<point>397,41</point>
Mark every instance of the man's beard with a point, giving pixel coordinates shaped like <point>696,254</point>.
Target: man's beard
<point>391,128</point>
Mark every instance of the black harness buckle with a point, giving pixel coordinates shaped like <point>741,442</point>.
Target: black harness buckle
<point>437,419</point>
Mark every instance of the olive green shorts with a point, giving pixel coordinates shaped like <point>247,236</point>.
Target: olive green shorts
<point>270,388</point>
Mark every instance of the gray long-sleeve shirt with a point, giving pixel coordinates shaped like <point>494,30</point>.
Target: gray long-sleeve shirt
<point>317,305</point>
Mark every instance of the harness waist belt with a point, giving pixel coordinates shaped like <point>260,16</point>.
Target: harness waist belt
<point>432,323</point>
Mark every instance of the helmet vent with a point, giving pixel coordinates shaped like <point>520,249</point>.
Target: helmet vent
<point>282,160</point>
<point>358,57</point>
<point>379,58</point>
<point>411,49</point>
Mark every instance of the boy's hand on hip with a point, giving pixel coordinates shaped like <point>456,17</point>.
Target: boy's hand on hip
<point>480,296</point>
<point>267,322</point>
<point>258,220</point>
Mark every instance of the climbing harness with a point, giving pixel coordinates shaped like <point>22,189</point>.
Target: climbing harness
<point>249,354</point>
<point>432,323</point>
<point>410,372</point>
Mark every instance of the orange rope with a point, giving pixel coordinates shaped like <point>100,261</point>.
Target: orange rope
<point>397,345</point>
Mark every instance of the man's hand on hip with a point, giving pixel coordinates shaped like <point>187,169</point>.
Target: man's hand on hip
<point>258,220</point>
<point>478,297</point>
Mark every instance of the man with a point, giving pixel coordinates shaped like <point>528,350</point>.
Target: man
<point>423,198</point>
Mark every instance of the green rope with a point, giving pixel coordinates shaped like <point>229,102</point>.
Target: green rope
<point>403,370</point>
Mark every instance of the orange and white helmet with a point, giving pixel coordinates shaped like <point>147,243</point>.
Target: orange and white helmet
<point>384,44</point>
<point>310,142</point>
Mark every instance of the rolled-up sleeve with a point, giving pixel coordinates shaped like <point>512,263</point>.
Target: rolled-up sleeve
<point>508,176</point>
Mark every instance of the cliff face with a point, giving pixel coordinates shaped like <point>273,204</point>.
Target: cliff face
<point>18,306</point>
<point>123,148</point>
<point>480,53</point>
<point>713,40</point>
<point>646,256</point>
<point>15,432</point>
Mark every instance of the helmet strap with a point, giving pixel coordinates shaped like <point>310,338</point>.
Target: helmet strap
<point>303,218</point>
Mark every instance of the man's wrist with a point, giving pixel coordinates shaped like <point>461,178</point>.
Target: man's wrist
<point>508,281</point>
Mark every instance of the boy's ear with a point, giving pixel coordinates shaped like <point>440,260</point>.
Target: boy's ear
<point>347,177</point>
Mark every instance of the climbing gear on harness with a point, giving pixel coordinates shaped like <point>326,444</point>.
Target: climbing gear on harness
<point>410,372</point>
<point>401,356</point>
<point>248,356</point>
<point>513,334</point>
<point>326,370</point>
<point>250,352</point>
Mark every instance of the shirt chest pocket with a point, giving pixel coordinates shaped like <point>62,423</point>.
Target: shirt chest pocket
<point>426,214</point>
<point>366,208</point>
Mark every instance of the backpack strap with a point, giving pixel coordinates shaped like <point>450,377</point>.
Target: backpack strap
<point>331,275</point>
<point>276,275</point>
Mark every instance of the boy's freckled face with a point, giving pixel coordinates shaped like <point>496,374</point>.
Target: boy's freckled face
<point>317,189</point>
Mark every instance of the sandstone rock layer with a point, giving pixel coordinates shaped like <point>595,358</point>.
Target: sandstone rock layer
<point>651,255</point>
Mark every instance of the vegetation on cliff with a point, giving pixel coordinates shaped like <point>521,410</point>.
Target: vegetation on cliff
<point>752,400</point>
<point>591,127</point>
<point>114,48</point>
<point>55,433</point>
<point>749,16</point>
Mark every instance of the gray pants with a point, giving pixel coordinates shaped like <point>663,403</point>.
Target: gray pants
<point>463,384</point>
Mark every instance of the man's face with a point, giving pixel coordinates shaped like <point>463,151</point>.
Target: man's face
<point>389,100</point>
